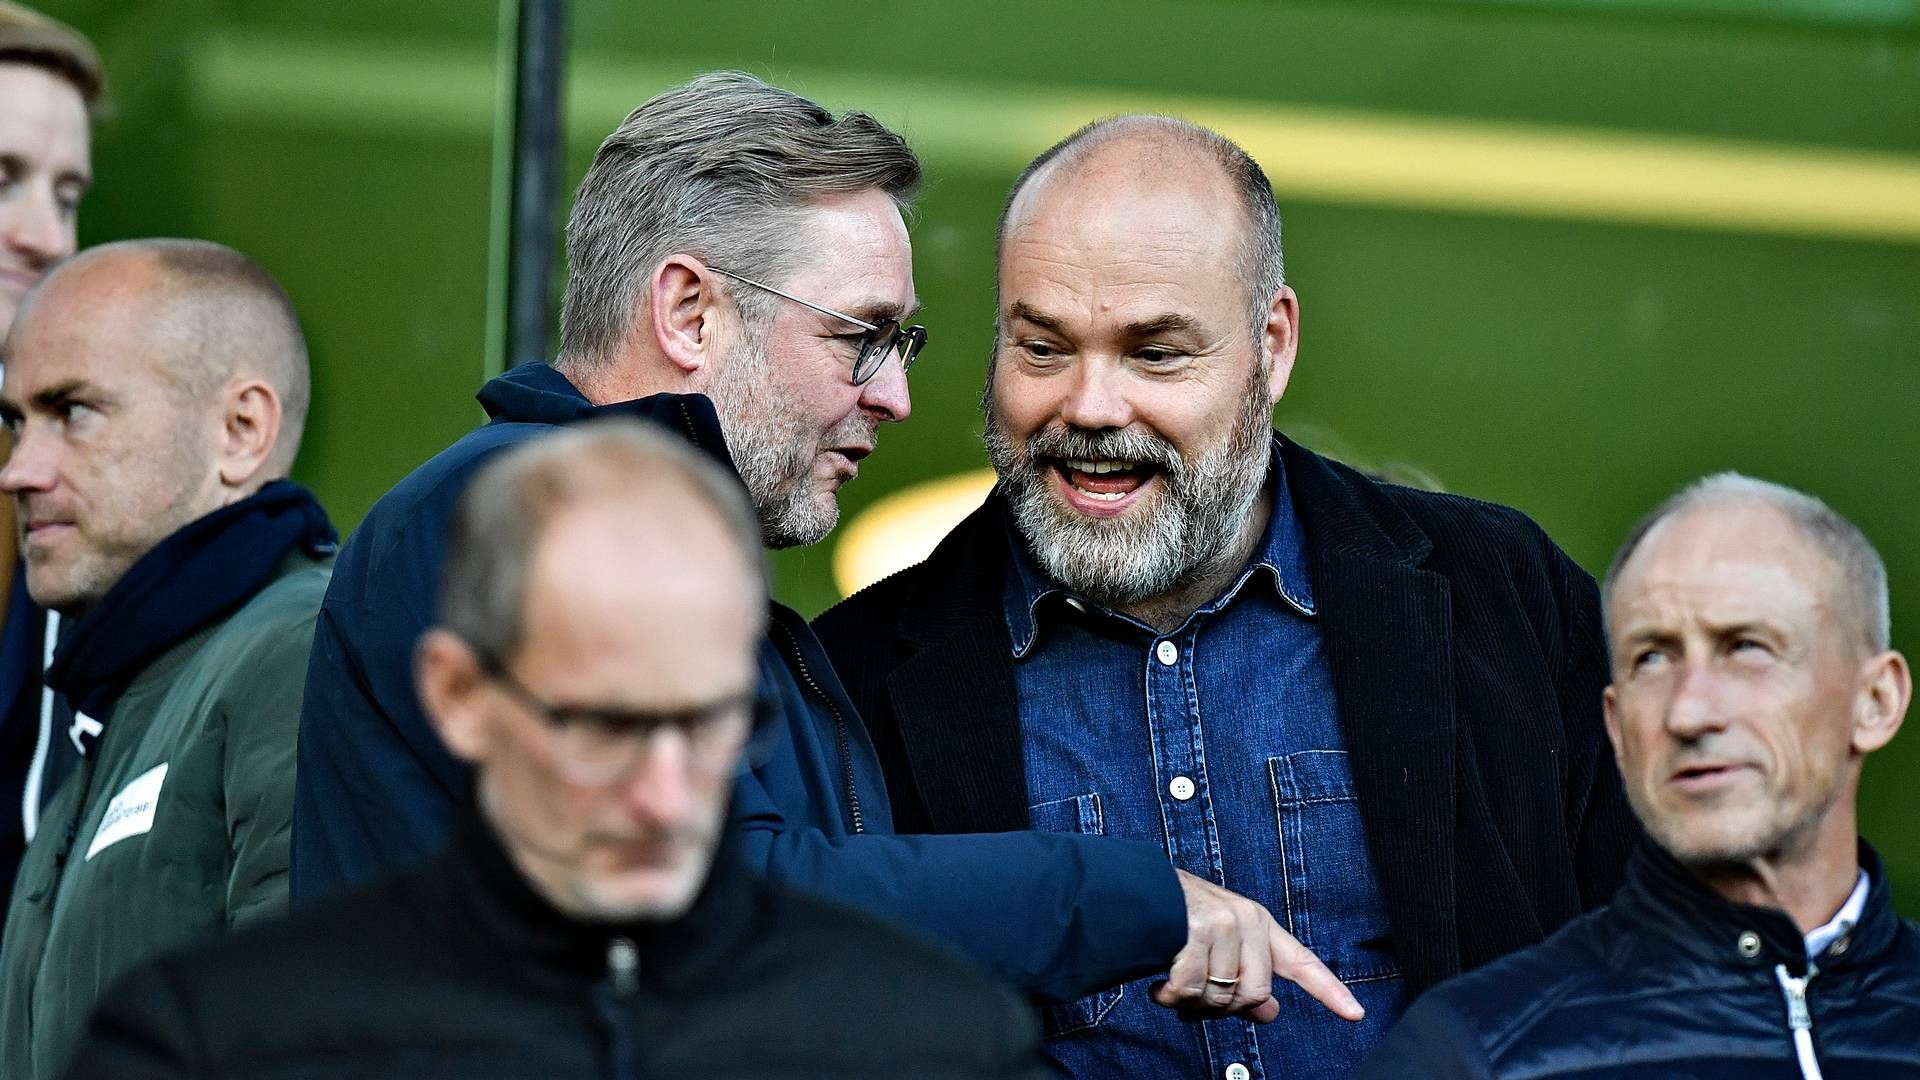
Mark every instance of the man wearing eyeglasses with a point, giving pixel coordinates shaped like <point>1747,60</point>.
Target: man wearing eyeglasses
<point>593,918</point>
<point>739,272</point>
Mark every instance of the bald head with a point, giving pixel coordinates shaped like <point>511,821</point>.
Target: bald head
<point>1854,586</point>
<point>202,313</point>
<point>1147,153</point>
<point>148,383</point>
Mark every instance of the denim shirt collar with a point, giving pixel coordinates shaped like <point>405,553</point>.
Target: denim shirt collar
<point>1282,554</point>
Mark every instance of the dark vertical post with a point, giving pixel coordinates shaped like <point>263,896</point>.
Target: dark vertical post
<point>538,147</point>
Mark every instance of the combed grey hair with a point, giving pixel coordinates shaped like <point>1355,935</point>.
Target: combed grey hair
<point>507,507</point>
<point>719,168</point>
<point>1261,258</point>
<point>1861,575</point>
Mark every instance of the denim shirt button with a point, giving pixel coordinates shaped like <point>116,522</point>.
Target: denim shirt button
<point>1237,1071</point>
<point>1168,652</point>
<point>1181,788</point>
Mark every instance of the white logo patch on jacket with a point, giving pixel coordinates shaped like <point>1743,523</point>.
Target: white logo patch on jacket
<point>131,812</point>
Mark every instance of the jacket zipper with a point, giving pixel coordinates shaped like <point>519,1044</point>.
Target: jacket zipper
<point>839,726</point>
<point>43,742</point>
<point>623,985</point>
<point>1800,1018</point>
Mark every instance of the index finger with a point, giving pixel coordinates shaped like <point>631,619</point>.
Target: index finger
<point>1298,965</point>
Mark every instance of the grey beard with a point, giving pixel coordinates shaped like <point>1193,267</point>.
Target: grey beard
<point>772,450</point>
<point>1157,547</point>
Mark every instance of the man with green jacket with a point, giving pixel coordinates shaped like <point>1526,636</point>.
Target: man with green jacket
<point>155,391</point>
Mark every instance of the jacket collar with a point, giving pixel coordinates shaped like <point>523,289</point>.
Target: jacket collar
<point>1665,900</point>
<point>561,953</point>
<point>537,393</point>
<point>1387,624</point>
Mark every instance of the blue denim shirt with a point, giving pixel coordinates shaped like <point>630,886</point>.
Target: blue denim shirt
<point>1221,741</point>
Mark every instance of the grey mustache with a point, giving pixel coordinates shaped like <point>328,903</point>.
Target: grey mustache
<point>1080,444</point>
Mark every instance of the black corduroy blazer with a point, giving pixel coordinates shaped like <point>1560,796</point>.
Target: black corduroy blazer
<point>1468,663</point>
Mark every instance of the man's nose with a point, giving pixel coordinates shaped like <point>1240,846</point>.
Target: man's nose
<point>660,787</point>
<point>886,394</point>
<point>29,465</point>
<point>1697,707</point>
<point>35,226</point>
<point>1096,399</point>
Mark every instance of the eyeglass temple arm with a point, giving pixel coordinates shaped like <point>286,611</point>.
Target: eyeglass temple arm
<point>827,311</point>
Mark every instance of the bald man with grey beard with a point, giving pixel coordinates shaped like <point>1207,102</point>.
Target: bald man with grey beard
<point>156,391</point>
<point>1363,716</point>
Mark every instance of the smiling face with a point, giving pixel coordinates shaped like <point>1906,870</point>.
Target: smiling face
<point>1129,401</point>
<point>796,425</point>
<point>1741,699</point>
<point>44,171</point>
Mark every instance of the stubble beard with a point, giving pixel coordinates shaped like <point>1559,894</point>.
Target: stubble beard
<point>1178,531</point>
<point>774,449</point>
<point>1768,831</point>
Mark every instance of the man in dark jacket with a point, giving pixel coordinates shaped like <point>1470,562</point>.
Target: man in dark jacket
<point>1754,938</point>
<point>1374,710</point>
<point>593,918</point>
<point>156,392</point>
<point>738,264</point>
<point>50,80</point>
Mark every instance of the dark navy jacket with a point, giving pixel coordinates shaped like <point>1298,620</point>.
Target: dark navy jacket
<point>1674,981</point>
<point>1056,915</point>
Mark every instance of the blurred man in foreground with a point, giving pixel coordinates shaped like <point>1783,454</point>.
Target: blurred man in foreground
<point>50,79</point>
<point>739,273</point>
<point>1374,711</point>
<point>1752,675</point>
<point>593,917</point>
<point>156,391</point>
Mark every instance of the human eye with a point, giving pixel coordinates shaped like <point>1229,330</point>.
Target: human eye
<point>1039,351</point>
<point>1160,356</point>
<point>1647,657</point>
<point>72,413</point>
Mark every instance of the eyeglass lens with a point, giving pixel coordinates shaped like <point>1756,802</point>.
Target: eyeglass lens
<point>602,753</point>
<point>890,337</point>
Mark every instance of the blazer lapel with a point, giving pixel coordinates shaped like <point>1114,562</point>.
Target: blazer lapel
<point>1388,630</point>
<point>954,697</point>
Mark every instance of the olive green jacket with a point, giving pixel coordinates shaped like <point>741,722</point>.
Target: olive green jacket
<point>174,829</point>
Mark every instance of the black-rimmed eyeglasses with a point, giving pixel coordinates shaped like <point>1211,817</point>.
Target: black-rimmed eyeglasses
<point>599,745</point>
<point>881,340</point>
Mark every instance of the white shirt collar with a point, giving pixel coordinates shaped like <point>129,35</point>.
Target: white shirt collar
<point>1849,915</point>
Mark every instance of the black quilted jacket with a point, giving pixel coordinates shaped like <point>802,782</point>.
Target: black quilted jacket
<point>1673,982</point>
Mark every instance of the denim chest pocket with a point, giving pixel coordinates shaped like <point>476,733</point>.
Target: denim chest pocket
<point>1079,814</point>
<point>1329,887</point>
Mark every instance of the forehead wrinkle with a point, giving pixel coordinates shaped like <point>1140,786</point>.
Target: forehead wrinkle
<point>1724,570</point>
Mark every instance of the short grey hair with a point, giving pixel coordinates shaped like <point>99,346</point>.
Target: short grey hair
<point>217,313</point>
<point>1262,260</point>
<point>506,508</point>
<point>1860,573</point>
<point>717,168</point>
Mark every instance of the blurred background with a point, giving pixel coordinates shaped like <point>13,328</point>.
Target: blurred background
<point>1562,254</point>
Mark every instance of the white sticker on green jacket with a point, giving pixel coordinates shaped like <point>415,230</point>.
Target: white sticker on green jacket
<point>131,812</point>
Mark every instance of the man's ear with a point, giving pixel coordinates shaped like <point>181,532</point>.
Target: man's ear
<point>250,415</point>
<point>1885,690</point>
<point>1607,707</point>
<point>683,303</point>
<point>451,691</point>
<point>1282,341</point>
